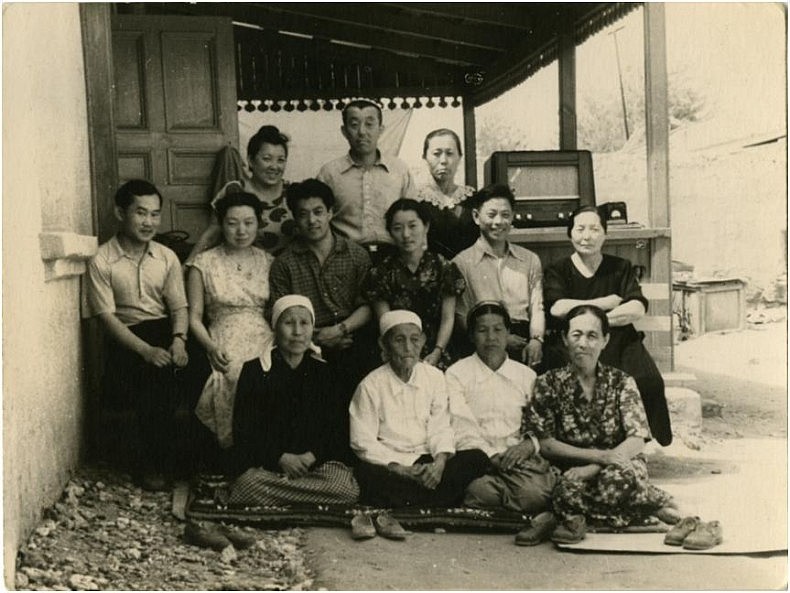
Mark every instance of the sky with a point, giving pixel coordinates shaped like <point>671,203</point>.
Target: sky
<point>734,53</point>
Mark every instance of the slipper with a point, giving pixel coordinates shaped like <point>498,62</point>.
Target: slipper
<point>240,539</point>
<point>540,528</point>
<point>388,527</point>
<point>362,527</point>
<point>681,530</point>
<point>205,537</point>
<point>705,536</point>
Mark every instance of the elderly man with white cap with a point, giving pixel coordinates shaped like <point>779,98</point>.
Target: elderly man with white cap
<point>400,427</point>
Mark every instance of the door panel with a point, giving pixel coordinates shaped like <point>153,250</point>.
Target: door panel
<point>175,108</point>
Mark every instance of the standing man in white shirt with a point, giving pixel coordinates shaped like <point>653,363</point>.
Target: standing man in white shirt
<point>400,427</point>
<point>365,181</point>
<point>488,393</point>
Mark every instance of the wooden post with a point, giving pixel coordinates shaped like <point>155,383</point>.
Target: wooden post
<point>470,142</point>
<point>567,81</point>
<point>657,139</point>
<point>656,114</point>
<point>97,54</point>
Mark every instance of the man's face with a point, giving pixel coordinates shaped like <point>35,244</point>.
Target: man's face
<point>141,219</point>
<point>403,344</point>
<point>312,219</point>
<point>494,218</point>
<point>362,129</point>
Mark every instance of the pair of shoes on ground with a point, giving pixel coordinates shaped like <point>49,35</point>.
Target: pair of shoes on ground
<point>694,534</point>
<point>364,526</point>
<point>217,537</point>
<point>545,526</point>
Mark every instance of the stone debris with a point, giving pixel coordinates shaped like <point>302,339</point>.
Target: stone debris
<point>106,534</point>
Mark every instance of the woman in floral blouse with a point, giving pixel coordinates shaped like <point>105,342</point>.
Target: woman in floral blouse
<point>591,425</point>
<point>418,280</point>
<point>452,228</point>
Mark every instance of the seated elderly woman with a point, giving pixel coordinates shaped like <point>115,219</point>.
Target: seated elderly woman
<point>285,418</point>
<point>591,424</point>
<point>488,394</point>
<point>400,427</point>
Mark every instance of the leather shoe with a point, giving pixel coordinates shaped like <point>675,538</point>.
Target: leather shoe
<point>705,536</point>
<point>240,539</point>
<point>362,527</point>
<point>571,531</point>
<point>388,527</point>
<point>205,537</point>
<point>679,531</point>
<point>540,528</point>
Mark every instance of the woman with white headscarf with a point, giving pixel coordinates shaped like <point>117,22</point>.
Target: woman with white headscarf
<point>286,420</point>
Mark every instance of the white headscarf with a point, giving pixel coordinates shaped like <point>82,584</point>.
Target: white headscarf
<point>392,318</point>
<point>280,306</point>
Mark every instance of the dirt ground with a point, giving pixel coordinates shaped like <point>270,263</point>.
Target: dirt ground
<point>105,534</point>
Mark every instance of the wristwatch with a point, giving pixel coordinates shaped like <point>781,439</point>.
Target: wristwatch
<point>181,335</point>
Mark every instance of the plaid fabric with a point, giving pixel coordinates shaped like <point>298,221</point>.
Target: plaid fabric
<point>334,288</point>
<point>330,483</point>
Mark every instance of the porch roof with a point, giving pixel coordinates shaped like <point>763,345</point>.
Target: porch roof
<point>299,51</point>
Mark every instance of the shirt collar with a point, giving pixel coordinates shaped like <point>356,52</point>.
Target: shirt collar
<point>507,369</point>
<point>396,383</point>
<point>482,248</point>
<point>382,160</point>
<point>340,244</point>
<point>117,252</point>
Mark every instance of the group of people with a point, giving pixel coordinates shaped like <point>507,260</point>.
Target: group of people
<point>377,343</point>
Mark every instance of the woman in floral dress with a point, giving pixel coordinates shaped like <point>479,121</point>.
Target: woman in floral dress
<point>452,228</point>
<point>418,280</point>
<point>591,425</point>
<point>230,284</point>
<point>267,156</point>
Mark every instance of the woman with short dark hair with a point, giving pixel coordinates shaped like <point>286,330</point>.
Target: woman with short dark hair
<point>267,156</point>
<point>230,285</point>
<point>417,279</point>
<point>591,425</point>
<point>590,277</point>
<point>452,228</point>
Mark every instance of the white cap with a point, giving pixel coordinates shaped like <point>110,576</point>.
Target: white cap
<point>288,301</point>
<point>392,318</point>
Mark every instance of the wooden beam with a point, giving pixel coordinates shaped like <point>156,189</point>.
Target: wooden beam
<point>512,16</point>
<point>567,91</point>
<point>97,55</point>
<point>656,114</point>
<point>272,18</point>
<point>470,143</point>
<point>399,20</point>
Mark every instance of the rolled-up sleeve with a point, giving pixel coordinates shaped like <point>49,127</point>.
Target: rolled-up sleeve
<point>98,288</point>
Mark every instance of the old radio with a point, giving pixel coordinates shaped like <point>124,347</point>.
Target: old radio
<point>548,184</point>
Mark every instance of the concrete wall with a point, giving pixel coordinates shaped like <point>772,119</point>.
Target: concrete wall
<point>45,188</point>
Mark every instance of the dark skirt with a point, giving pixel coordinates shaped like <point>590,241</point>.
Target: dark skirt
<point>625,351</point>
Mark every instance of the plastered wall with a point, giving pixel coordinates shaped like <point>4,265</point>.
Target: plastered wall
<point>45,188</point>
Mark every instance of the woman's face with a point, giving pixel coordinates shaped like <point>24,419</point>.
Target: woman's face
<point>585,340</point>
<point>268,165</point>
<point>408,231</point>
<point>442,158</point>
<point>587,234</point>
<point>294,330</point>
<point>490,335</point>
<point>240,226</point>
<point>495,217</point>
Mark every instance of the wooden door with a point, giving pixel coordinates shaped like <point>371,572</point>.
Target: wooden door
<point>174,108</point>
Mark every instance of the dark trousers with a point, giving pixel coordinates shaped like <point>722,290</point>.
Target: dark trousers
<point>382,488</point>
<point>152,394</point>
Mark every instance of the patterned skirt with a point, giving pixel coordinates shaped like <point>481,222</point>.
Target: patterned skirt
<point>330,483</point>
